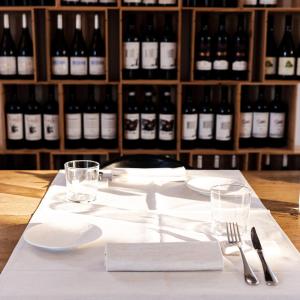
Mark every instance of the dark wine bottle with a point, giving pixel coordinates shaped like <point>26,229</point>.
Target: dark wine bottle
<point>166,119</point>
<point>78,53</point>
<point>14,122</point>
<point>25,52</point>
<point>260,120</point>
<point>221,55</point>
<point>189,123</point>
<point>107,2</point>
<point>73,122</point>
<point>149,50</point>
<point>131,48</point>
<point>200,162</point>
<point>148,122</point>
<point>216,162</point>
<point>298,63</point>
<point>97,53</point>
<point>267,162</point>
<point>168,50</point>
<point>8,61</point>
<point>59,52</point>
<point>109,121</point>
<point>132,2</point>
<point>50,121</point>
<point>246,124</point>
<point>203,65</point>
<point>224,122</point>
<point>33,121</point>
<point>271,54</point>
<point>71,2</point>
<point>240,51</point>
<point>234,162</point>
<point>202,3</point>
<point>278,118</point>
<point>285,162</point>
<point>91,121</point>
<point>286,52</point>
<point>131,122</point>
<point>206,121</point>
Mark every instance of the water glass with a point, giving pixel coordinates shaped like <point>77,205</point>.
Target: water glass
<point>82,178</point>
<point>230,203</point>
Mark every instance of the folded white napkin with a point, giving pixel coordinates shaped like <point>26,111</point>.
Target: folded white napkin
<point>181,256</point>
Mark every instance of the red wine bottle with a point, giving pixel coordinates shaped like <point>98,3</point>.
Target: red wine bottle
<point>246,124</point>
<point>271,54</point>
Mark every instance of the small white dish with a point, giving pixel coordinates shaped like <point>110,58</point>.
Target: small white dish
<point>62,236</point>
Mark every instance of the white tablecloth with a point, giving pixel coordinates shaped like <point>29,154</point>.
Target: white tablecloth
<point>145,213</point>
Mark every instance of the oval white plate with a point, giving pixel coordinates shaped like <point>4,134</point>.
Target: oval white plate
<point>61,236</point>
<point>203,184</point>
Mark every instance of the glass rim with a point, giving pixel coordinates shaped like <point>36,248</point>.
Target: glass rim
<point>95,166</point>
<point>215,187</point>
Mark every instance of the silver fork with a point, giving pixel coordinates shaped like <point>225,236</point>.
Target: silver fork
<point>234,238</point>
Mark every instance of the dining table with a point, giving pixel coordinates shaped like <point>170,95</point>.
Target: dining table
<point>22,191</point>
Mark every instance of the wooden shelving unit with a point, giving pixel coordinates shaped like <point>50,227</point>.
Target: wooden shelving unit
<point>112,24</point>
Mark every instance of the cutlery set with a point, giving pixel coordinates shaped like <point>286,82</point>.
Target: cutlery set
<point>234,238</point>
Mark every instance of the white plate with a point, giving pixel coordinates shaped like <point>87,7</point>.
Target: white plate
<point>61,236</point>
<point>204,184</point>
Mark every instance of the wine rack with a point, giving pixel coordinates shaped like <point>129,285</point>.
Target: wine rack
<point>185,23</point>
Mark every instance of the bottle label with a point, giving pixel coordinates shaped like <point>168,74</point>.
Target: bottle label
<point>277,122</point>
<point>298,66</point>
<point>223,127</point>
<point>73,126</point>
<point>260,124</point>
<point>246,125</point>
<point>189,127</point>
<point>51,132</point>
<point>149,55</point>
<point>268,2</point>
<point>270,65</point>
<point>133,1</point>
<point>25,65</point>
<point>286,66</point>
<point>240,65</point>
<point>250,2</point>
<point>108,126</point>
<point>206,126</point>
<point>78,66</point>
<point>221,65</point>
<point>167,56</point>
<point>167,2</point>
<point>97,65</point>
<point>8,65</point>
<point>149,1</point>
<point>14,126</point>
<point>132,126</point>
<point>166,127</point>
<point>60,65</point>
<point>203,65</point>
<point>91,126</point>
<point>131,55</point>
<point>33,127</point>
<point>89,1</point>
<point>107,1</point>
<point>199,162</point>
<point>148,126</point>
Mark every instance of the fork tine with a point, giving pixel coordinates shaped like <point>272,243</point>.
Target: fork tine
<point>232,233</point>
<point>235,232</point>
<point>227,231</point>
<point>238,232</point>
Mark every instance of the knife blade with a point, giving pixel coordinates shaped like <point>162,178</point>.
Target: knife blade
<point>270,277</point>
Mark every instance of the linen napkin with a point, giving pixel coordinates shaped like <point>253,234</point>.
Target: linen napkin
<point>177,256</point>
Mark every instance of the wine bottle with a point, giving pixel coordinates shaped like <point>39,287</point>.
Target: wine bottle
<point>189,124</point>
<point>285,162</point>
<point>202,3</point>
<point>25,52</point>
<point>277,120</point>
<point>97,53</point>
<point>246,124</point>
<point>168,50</point>
<point>234,162</point>
<point>268,3</point>
<point>260,120</point>
<point>109,121</point>
<point>131,122</point>
<point>206,121</point>
<point>89,2</point>
<point>203,51</point>
<point>50,121</point>
<point>167,2</point>
<point>298,63</point>
<point>8,63</point>
<point>250,3</point>
<point>131,46</point>
<point>240,52</point>
<point>271,54</point>
<point>148,122</point>
<point>286,52</point>
<point>59,52</point>
<point>91,121</point>
<point>14,122</point>
<point>216,162</point>
<point>107,2</point>
<point>132,2</point>
<point>221,59</point>
<point>33,121</point>
<point>78,53</point>
<point>224,120</point>
<point>199,162</point>
<point>267,165</point>
<point>149,50</point>
<point>73,122</point>
<point>71,2</point>
<point>149,2</point>
<point>166,119</point>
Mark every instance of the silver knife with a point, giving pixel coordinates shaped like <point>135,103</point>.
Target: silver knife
<point>270,277</point>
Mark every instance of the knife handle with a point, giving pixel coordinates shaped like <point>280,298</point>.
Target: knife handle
<point>270,277</point>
